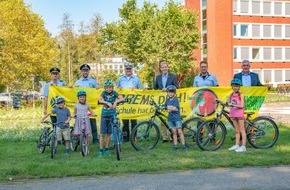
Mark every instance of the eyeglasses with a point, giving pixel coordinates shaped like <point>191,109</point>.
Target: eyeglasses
<point>246,65</point>
<point>128,68</point>
<point>54,73</point>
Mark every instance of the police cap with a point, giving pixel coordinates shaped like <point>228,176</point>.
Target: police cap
<point>85,67</point>
<point>54,70</point>
<point>128,65</point>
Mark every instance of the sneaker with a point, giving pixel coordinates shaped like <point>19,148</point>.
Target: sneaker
<point>235,147</point>
<point>241,149</point>
<point>184,149</point>
<point>108,153</point>
<point>100,154</point>
<point>175,148</point>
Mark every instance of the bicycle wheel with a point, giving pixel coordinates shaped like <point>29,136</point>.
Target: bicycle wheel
<point>210,135</point>
<point>74,141</point>
<point>262,133</point>
<point>41,144</point>
<point>84,144</point>
<point>145,135</point>
<point>53,145</point>
<point>117,143</point>
<point>189,128</point>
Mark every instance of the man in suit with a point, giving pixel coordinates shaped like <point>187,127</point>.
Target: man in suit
<point>162,81</point>
<point>248,78</point>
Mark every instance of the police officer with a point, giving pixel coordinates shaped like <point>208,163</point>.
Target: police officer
<point>90,82</point>
<point>55,73</point>
<point>129,80</point>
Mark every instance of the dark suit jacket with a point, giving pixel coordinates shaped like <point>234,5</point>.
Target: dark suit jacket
<point>171,80</point>
<point>255,81</point>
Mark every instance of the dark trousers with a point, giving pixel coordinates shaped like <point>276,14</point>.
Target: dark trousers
<point>94,130</point>
<point>126,130</point>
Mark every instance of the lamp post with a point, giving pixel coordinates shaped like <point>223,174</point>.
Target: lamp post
<point>33,103</point>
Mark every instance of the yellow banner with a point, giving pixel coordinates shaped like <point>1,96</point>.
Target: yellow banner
<point>193,101</point>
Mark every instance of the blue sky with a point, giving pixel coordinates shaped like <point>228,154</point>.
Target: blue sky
<point>52,11</point>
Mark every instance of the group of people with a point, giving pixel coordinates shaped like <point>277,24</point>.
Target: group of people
<point>166,82</point>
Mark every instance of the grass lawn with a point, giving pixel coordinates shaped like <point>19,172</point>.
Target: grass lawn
<point>19,158</point>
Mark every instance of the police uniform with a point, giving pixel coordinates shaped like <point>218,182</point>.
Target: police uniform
<point>132,81</point>
<point>48,84</point>
<point>86,82</point>
<point>89,82</point>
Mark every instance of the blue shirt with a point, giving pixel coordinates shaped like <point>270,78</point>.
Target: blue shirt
<point>111,98</point>
<point>62,115</point>
<point>129,82</point>
<point>47,85</point>
<point>246,79</point>
<point>87,82</point>
<point>208,80</point>
<point>164,80</point>
<point>173,115</point>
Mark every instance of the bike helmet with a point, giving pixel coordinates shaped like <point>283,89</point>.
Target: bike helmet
<point>109,82</point>
<point>171,88</point>
<point>236,81</point>
<point>81,93</point>
<point>59,100</point>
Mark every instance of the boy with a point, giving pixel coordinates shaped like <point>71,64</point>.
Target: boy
<point>63,117</point>
<point>174,119</point>
<point>110,99</point>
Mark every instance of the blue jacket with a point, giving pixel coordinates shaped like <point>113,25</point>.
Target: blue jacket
<point>171,80</point>
<point>255,81</point>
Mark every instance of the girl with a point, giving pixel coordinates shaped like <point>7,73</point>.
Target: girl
<point>236,102</point>
<point>81,113</point>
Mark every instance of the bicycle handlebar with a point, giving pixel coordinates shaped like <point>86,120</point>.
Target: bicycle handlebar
<point>50,123</point>
<point>158,107</point>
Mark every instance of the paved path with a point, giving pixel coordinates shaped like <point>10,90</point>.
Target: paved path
<point>279,111</point>
<point>271,178</point>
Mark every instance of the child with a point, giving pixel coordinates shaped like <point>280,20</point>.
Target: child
<point>236,102</point>
<point>174,119</point>
<point>81,112</point>
<point>110,99</point>
<point>62,117</point>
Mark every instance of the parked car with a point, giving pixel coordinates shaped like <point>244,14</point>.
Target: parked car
<point>5,99</point>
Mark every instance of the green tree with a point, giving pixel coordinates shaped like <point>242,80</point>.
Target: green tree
<point>27,49</point>
<point>149,34</point>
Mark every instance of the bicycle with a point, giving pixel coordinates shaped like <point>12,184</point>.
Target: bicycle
<point>48,138</point>
<point>262,132</point>
<point>146,134</point>
<point>81,139</point>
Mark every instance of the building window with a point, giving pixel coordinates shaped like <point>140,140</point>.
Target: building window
<point>277,53</point>
<point>277,8</point>
<point>245,53</point>
<point>256,30</point>
<point>267,54</point>
<point>287,75</point>
<point>244,30</point>
<point>266,8</point>
<point>244,6</point>
<point>255,7</point>
<point>278,31</point>
<point>267,31</point>
<point>235,30</point>
<point>267,75</point>
<point>255,53</point>
<point>287,9</point>
<point>235,6</point>
<point>287,53</point>
<point>287,31</point>
<point>203,4</point>
<point>278,76</point>
<point>235,53</point>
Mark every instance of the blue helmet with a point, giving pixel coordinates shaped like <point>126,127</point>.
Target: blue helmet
<point>81,93</point>
<point>237,82</point>
<point>59,100</point>
<point>171,88</point>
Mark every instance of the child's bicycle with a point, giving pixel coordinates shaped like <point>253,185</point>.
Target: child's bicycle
<point>81,139</point>
<point>146,134</point>
<point>48,138</point>
<point>262,132</point>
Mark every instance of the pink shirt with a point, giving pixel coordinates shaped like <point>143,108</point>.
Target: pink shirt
<point>235,112</point>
